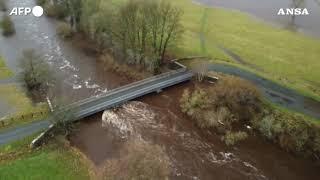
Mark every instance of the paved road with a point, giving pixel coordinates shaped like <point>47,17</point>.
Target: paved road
<point>23,131</point>
<point>274,92</point>
<point>110,99</point>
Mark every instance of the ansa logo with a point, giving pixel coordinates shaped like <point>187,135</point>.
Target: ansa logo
<point>293,11</point>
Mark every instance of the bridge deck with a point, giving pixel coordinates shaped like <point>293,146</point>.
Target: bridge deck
<point>93,105</point>
<point>128,92</point>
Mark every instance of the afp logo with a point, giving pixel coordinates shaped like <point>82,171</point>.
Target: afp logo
<point>37,11</point>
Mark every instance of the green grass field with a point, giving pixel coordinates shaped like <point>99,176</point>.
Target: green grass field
<point>16,98</point>
<point>289,58</point>
<point>285,57</point>
<point>4,71</point>
<point>52,162</point>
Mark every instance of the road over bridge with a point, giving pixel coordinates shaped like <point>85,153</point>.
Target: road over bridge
<point>128,92</point>
<point>104,101</point>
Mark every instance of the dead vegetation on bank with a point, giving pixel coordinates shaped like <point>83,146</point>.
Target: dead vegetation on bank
<point>139,160</point>
<point>133,72</point>
<point>233,103</point>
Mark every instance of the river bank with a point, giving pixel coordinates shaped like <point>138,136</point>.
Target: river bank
<point>273,92</point>
<point>194,153</point>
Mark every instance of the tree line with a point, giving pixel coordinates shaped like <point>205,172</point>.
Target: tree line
<point>138,32</point>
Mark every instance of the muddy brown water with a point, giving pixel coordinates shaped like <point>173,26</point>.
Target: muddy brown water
<point>194,153</point>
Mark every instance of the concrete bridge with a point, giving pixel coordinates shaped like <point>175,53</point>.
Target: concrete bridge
<point>128,92</point>
<point>102,102</point>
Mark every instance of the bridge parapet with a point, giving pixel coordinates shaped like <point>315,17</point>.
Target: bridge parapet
<point>131,85</point>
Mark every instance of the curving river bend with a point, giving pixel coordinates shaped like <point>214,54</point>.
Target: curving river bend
<point>195,154</point>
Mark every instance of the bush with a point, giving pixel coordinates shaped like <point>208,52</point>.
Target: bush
<point>130,71</point>
<point>139,160</point>
<point>55,10</point>
<point>232,138</point>
<point>292,132</point>
<point>3,6</point>
<point>64,30</point>
<point>41,2</point>
<point>199,107</point>
<point>296,133</point>
<point>316,144</point>
<point>191,104</point>
<point>269,127</point>
<point>35,74</point>
<point>240,96</point>
<point>7,26</point>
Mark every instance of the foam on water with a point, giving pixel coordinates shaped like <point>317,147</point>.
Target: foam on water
<point>137,119</point>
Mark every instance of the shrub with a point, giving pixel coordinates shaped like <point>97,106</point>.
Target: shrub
<point>7,26</point>
<point>221,119</point>
<point>41,2</point>
<point>291,131</point>
<point>35,74</point>
<point>139,160</point>
<point>269,127</point>
<point>130,71</point>
<point>192,104</point>
<point>199,107</point>
<point>62,121</point>
<point>316,143</point>
<point>64,30</point>
<point>232,138</point>
<point>55,10</point>
<point>3,6</point>
<point>240,96</point>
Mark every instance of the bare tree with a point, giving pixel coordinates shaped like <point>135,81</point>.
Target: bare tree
<point>165,24</point>
<point>201,69</point>
<point>35,74</point>
<point>148,29</point>
<point>74,8</point>
<point>295,4</point>
<point>3,5</point>
<point>62,119</point>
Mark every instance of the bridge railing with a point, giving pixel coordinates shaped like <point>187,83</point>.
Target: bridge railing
<point>126,87</point>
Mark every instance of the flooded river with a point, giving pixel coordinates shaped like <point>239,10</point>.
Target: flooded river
<point>267,10</point>
<point>194,154</point>
<point>77,70</point>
